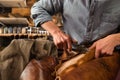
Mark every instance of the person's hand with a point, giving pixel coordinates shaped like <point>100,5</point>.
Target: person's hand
<point>106,45</point>
<point>62,41</point>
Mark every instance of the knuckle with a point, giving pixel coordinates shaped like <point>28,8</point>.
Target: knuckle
<point>103,51</point>
<point>109,53</point>
<point>67,38</point>
<point>59,43</point>
<point>63,41</point>
<point>98,48</point>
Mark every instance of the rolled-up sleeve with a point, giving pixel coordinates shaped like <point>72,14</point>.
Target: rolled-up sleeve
<point>42,10</point>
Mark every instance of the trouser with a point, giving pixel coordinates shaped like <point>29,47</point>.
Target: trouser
<point>17,55</point>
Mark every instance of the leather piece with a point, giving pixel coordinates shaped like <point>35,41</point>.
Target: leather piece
<point>39,69</point>
<point>104,68</point>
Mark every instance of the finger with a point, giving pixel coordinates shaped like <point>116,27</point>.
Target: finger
<point>109,52</point>
<point>58,43</point>
<point>93,46</point>
<point>69,44</point>
<point>74,41</point>
<point>97,53</point>
<point>64,44</point>
<point>103,53</point>
<point>54,40</point>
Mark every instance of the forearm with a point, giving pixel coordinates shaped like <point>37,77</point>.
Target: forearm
<point>51,27</point>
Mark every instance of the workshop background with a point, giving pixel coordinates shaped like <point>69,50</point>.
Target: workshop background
<point>16,23</point>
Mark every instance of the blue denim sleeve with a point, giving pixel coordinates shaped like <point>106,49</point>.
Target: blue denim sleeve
<point>42,10</point>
